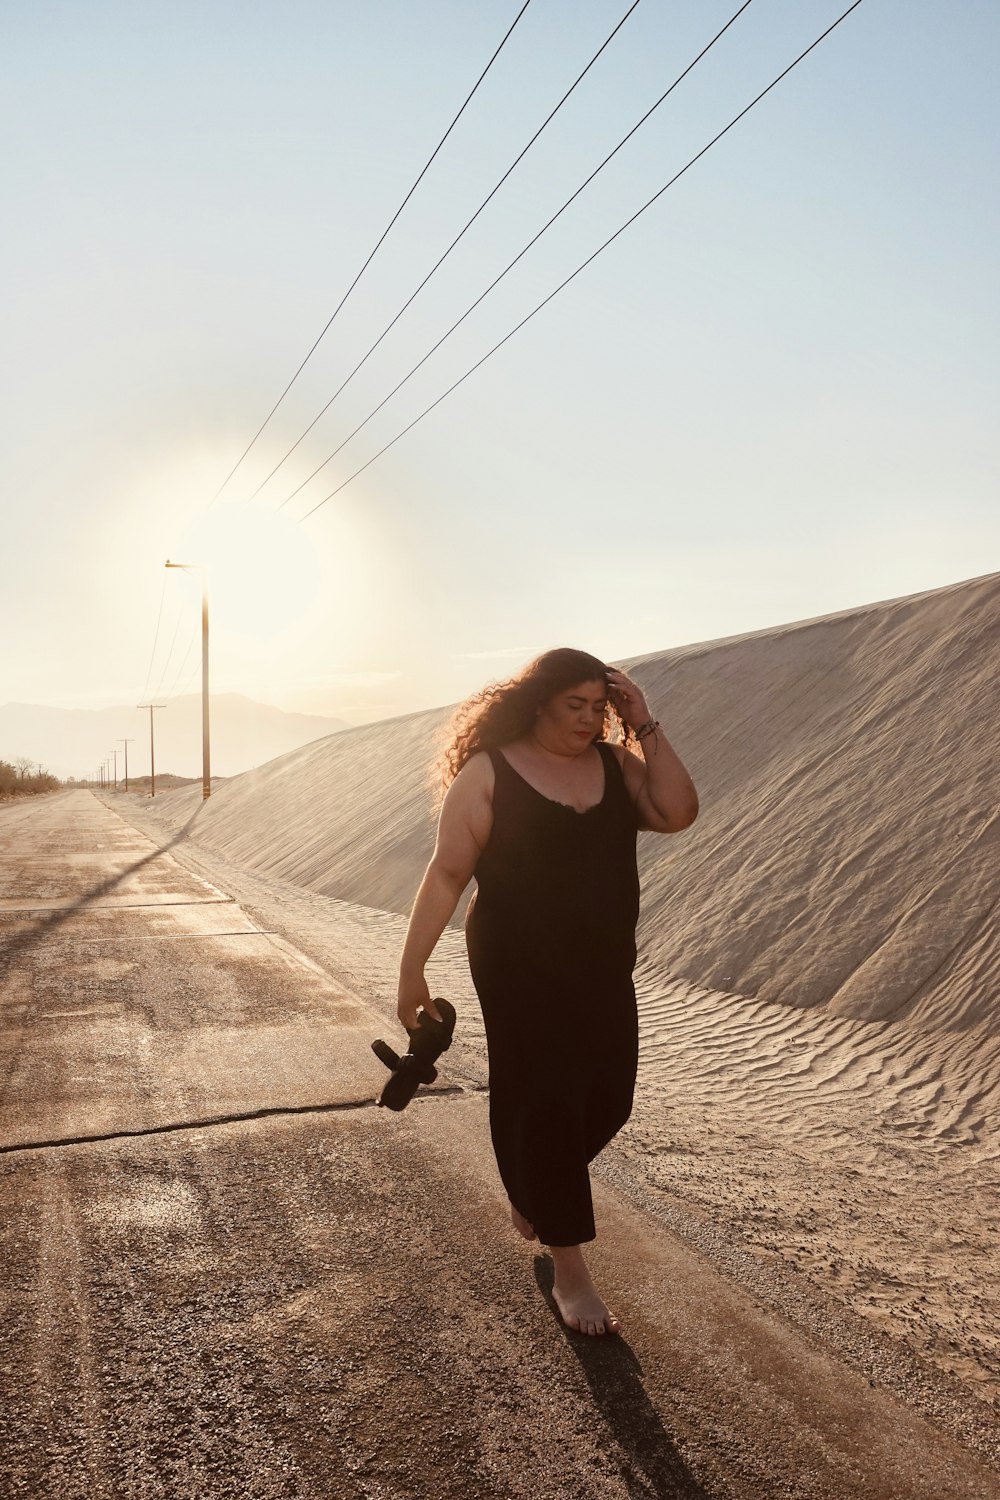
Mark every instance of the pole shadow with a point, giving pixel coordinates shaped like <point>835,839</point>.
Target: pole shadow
<point>650,1464</point>
<point>20,943</point>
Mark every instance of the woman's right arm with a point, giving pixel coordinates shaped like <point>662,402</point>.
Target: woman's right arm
<point>463,828</point>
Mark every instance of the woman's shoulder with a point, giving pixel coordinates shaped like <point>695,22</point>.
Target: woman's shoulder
<point>478,770</point>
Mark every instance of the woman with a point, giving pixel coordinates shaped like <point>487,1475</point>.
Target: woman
<point>543,811</point>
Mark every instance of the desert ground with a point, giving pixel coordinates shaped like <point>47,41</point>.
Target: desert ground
<point>214,1236</point>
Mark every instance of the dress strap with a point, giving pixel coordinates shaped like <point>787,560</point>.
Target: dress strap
<point>609,757</point>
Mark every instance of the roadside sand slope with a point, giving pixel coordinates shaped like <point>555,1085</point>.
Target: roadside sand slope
<point>847,854</point>
<point>819,1078</point>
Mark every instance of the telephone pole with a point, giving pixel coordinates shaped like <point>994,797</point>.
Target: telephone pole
<point>126,743</point>
<point>152,759</point>
<point>115,754</point>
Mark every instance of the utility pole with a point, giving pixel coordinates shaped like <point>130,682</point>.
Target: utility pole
<point>115,754</point>
<point>206,759</point>
<point>126,743</point>
<point>152,760</point>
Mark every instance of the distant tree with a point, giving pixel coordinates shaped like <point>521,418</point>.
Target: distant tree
<point>17,779</point>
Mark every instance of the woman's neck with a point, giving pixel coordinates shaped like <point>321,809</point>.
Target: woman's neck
<point>561,755</point>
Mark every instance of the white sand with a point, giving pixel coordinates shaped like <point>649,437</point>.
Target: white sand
<point>820,984</point>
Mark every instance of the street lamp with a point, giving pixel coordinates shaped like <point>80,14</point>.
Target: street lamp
<point>206,762</point>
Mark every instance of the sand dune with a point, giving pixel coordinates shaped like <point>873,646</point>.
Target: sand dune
<point>846,855</point>
<point>819,1078</point>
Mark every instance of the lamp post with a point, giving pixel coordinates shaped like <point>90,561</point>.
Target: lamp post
<point>206,759</point>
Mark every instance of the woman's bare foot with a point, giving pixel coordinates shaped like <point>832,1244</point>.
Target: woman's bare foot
<point>521,1224</point>
<point>576,1296</point>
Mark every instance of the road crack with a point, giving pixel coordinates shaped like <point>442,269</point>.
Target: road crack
<point>208,1122</point>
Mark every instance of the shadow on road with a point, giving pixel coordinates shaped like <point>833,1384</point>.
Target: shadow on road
<point>650,1464</point>
<point>20,942</point>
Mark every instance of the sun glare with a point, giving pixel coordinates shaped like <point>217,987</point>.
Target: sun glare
<point>263,572</point>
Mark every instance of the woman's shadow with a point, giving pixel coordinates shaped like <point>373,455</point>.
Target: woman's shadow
<point>651,1466</point>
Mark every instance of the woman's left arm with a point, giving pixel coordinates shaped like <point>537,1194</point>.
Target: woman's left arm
<point>665,797</point>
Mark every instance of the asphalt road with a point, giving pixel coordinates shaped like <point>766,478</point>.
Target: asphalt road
<point>227,1273</point>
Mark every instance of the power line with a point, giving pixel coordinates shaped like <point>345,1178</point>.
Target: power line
<point>371,256</point>
<point>184,662</point>
<point>170,653</point>
<point>440,262</point>
<point>156,637</point>
<point>648,204</point>
<point>521,253</point>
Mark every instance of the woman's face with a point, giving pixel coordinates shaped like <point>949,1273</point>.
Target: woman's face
<point>572,719</point>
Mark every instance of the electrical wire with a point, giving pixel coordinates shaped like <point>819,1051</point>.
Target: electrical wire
<point>156,637</point>
<point>371,256</point>
<point>601,248</point>
<point>180,671</point>
<point>521,253</point>
<point>440,262</point>
<point>170,653</point>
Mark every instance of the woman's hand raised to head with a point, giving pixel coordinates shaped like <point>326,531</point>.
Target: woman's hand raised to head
<point>412,994</point>
<point>628,698</point>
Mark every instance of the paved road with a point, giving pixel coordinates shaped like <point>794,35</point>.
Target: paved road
<point>227,1274</point>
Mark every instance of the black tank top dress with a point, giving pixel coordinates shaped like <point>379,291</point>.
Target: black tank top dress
<point>550,932</point>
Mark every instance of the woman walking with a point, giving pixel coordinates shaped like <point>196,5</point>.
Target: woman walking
<point>543,811</point>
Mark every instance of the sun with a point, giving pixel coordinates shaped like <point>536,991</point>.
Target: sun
<point>264,575</point>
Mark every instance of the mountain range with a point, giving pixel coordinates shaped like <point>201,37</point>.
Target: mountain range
<point>75,741</point>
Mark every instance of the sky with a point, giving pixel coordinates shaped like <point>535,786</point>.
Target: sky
<point>773,397</point>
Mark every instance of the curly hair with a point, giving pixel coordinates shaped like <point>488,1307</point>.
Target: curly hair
<point>503,711</point>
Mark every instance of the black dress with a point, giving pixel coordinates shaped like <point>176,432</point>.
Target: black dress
<point>551,939</point>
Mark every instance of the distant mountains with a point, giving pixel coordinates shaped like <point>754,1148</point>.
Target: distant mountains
<point>74,741</point>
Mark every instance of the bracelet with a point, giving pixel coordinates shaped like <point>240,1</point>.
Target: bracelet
<point>650,727</point>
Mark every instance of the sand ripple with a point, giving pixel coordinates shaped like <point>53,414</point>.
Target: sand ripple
<point>863,1155</point>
